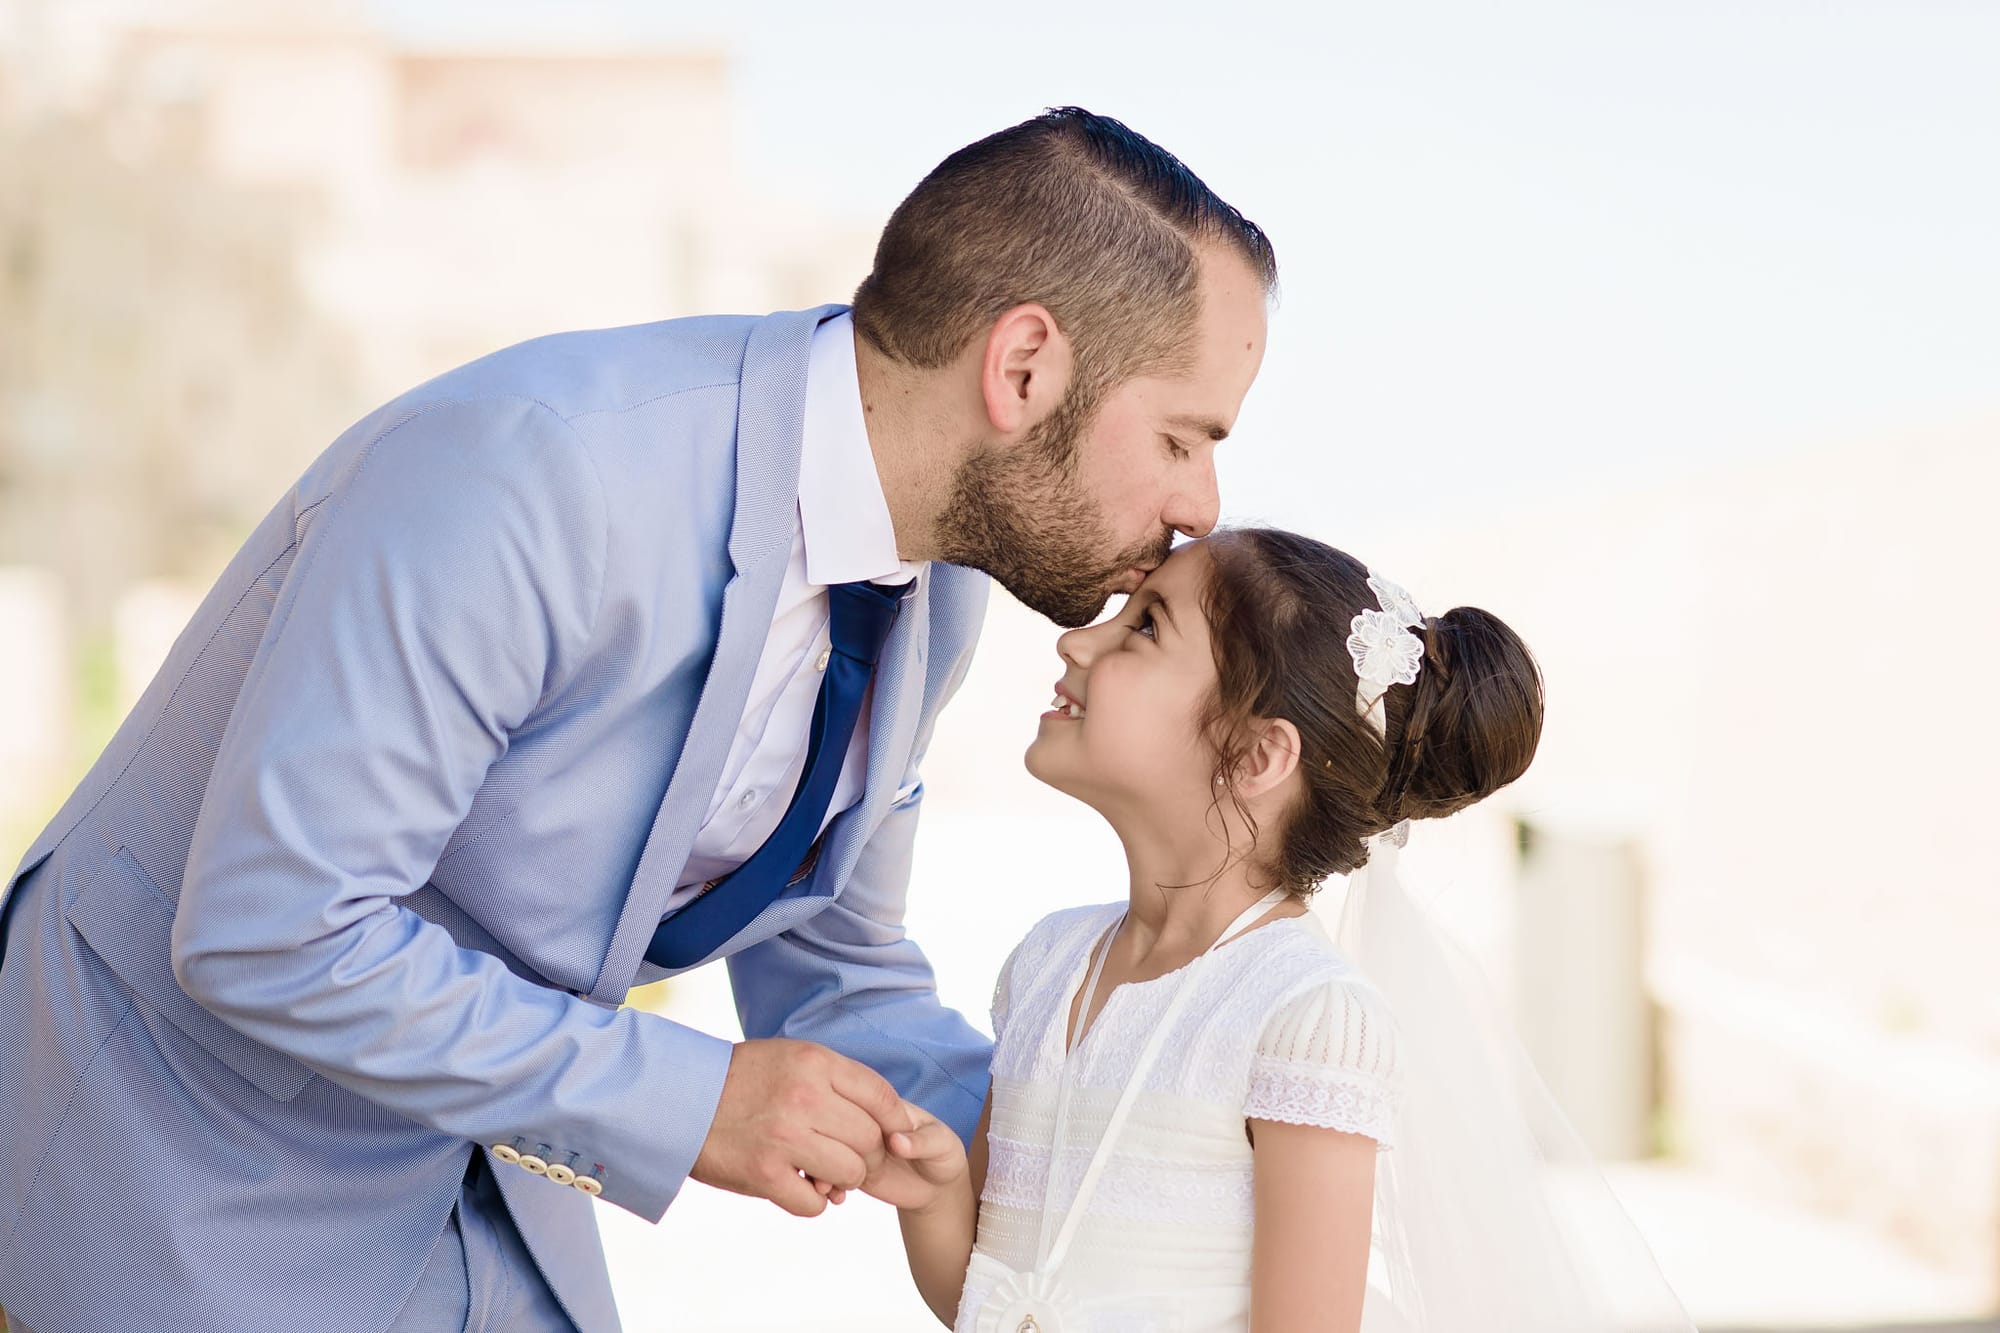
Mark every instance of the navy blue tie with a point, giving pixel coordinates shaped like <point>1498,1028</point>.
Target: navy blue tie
<point>860,616</point>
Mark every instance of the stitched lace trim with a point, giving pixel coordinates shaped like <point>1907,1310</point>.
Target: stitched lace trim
<point>1135,1188</point>
<point>1294,1093</point>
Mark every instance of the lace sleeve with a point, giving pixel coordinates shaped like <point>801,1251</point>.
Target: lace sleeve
<point>1328,1058</point>
<point>1003,985</point>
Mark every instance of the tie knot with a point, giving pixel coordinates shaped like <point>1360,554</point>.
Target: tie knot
<point>861,616</point>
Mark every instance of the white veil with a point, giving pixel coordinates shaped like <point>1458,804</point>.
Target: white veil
<point>1490,1216</point>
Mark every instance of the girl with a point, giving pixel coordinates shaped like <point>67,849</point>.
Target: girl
<point>1190,1087</point>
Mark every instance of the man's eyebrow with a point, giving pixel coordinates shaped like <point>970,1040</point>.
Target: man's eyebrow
<point>1208,426</point>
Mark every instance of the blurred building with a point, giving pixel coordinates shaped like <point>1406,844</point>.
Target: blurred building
<point>228,229</point>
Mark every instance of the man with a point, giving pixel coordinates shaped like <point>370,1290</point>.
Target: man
<point>602,657</point>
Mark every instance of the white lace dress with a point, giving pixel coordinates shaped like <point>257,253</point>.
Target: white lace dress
<point>1276,1026</point>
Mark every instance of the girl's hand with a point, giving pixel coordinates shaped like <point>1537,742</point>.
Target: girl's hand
<point>923,1162</point>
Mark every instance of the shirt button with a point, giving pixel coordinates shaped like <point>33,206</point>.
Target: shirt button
<point>825,656</point>
<point>746,800</point>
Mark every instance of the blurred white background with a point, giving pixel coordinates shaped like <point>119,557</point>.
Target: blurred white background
<point>1666,331</point>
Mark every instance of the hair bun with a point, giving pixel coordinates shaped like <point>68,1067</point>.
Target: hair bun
<point>1280,610</point>
<point>1472,722</point>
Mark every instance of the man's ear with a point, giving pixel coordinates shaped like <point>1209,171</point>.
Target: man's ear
<point>1272,758</point>
<point>1025,371</point>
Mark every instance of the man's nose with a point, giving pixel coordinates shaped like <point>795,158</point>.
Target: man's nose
<point>1195,512</point>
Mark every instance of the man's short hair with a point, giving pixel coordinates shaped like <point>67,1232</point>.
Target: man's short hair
<point>1073,211</point>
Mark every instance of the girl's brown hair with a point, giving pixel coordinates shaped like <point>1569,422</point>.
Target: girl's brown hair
<point>1279,609</point>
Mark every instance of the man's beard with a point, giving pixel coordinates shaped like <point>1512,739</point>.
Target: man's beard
<point>1021,516</point>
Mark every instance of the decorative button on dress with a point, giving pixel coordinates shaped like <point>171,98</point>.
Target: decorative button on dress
<point>1272,1024</point>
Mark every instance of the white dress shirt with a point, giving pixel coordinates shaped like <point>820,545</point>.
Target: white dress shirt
<point>844,534</point>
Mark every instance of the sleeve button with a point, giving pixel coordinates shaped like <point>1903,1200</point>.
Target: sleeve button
<point>562,1175</point>
<point>507,1153</point>
<point>590,1185</point>
<point>531,1163</point>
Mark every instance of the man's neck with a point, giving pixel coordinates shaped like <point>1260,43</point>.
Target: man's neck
<point>913,433</point>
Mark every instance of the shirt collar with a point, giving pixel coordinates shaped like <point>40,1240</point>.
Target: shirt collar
<point>842,512</point>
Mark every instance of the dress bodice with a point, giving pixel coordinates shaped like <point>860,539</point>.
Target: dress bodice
<point>1276,1026</point>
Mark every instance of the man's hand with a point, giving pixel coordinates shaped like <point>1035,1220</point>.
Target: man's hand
<point>923,1163</point>
<point>798,1122</point>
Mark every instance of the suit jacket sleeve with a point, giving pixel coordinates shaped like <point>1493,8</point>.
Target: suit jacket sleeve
<point>851,978</point>
<point>443,590</point>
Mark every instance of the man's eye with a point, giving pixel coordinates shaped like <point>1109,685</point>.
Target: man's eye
<point>1179,450</point>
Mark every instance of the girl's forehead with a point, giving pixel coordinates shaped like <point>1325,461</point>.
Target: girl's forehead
<point>1183,568</point>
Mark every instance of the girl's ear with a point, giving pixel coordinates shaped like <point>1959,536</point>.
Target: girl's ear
<point>1273,756</point>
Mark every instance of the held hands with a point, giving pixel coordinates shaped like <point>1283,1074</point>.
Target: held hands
<point>798,1124</point>
<point>801,1125</point>
<point>923,1164</point>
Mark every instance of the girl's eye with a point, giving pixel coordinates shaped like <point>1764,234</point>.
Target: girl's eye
<point>1146,626</point>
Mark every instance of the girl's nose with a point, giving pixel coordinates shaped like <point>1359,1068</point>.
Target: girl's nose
<point>1079,647</point>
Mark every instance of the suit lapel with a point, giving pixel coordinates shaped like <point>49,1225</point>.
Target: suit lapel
<point>770,416</point>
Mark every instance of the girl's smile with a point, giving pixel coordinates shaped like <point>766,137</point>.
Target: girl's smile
<point>1066,705</point>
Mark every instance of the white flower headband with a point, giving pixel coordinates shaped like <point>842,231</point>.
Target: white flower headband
<point>1385,652</point>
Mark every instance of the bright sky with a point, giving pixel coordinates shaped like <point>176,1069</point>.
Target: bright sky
<point>1523,245</point>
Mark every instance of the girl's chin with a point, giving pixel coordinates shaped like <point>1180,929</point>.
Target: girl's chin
<point>1043,768</point>
<point>1036,762</point>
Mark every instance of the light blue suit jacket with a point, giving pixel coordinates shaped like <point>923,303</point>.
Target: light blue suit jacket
<point>360,883</point>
